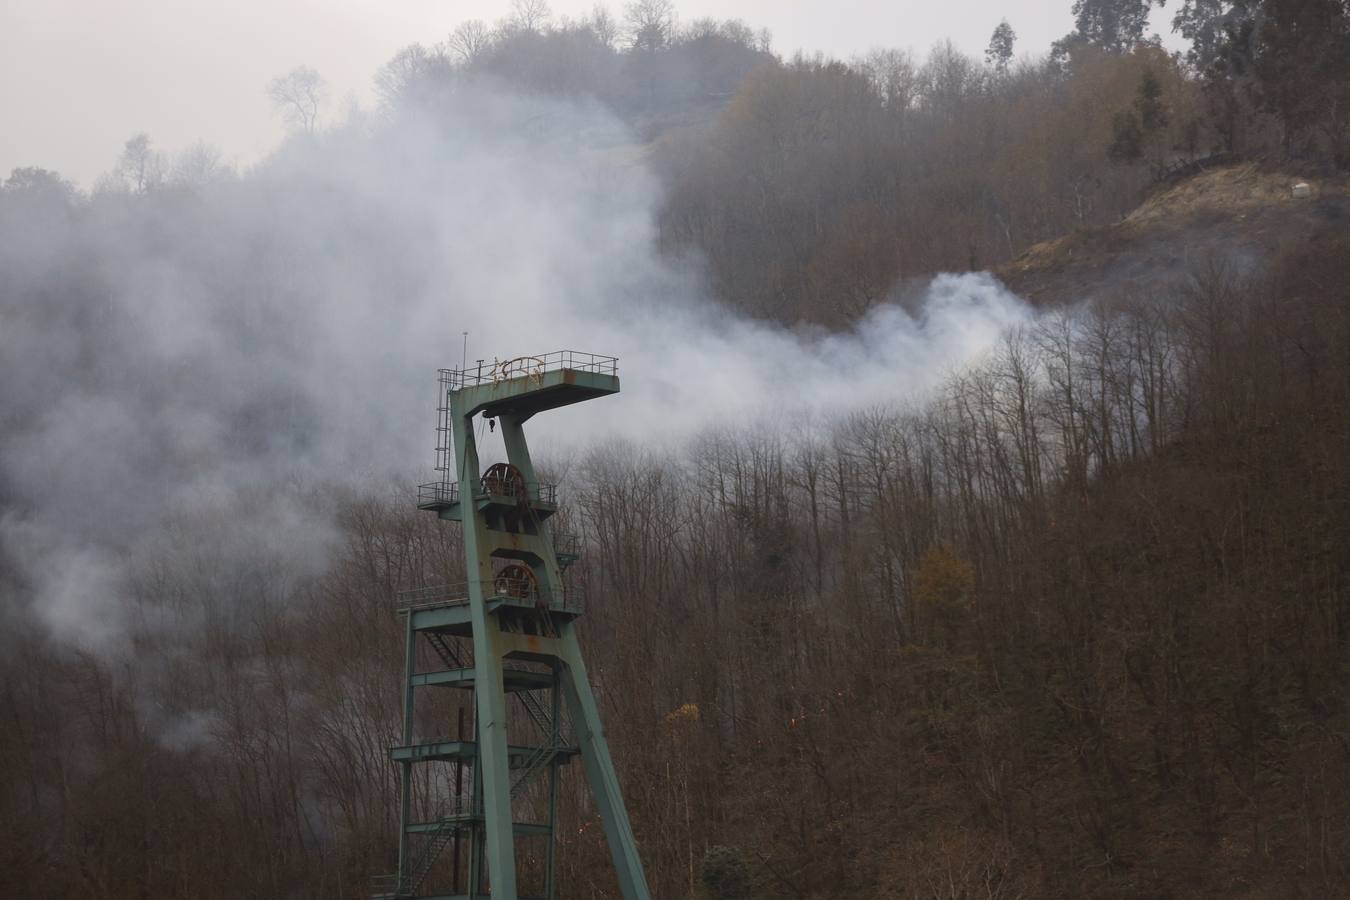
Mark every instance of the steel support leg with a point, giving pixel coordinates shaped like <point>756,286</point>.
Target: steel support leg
<point>476,838</point>
<point>493,769</point>
<point>405,768</point>
<point>494,761</point>
<point>551,851</point>
<point>600,772</point>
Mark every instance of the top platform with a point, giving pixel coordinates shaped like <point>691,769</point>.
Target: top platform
<point>526,385</point>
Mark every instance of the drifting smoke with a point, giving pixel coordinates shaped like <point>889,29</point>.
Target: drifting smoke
<point>196,365</point>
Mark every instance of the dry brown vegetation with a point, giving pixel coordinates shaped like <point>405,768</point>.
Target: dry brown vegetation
<point>1242,212</point>
<point>1077,625</point>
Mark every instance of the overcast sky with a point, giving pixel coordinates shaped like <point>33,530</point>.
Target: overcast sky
<point>78,77</point>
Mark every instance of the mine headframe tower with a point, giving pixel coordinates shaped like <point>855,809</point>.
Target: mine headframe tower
<point>508,635</point>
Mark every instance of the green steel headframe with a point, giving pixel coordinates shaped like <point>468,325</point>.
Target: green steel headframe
<point>507,632</point>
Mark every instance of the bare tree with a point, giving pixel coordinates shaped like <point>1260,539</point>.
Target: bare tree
<point>298,96</point>
<point>410,73</point>
<point>199,165</point>
<point>530,15</point>
<point>893,75</point>
<point>470,40</point>
<point>141,166</point>
<point>603,24</point>
<point>650,23</point>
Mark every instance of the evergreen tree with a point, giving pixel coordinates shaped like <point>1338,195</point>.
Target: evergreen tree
<point>1219,31</point>
<point>999,54</point>
<point>1113,25</point>
<point>1139,129</point>
<point>1148,103</point>
<point>1302,68</point>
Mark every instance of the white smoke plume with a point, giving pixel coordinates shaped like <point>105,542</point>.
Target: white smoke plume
<point>208,359</point>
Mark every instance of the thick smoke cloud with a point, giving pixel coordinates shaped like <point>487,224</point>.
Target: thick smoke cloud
<point>198,365</point>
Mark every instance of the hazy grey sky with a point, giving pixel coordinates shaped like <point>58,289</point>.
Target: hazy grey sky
<point>78,77</point>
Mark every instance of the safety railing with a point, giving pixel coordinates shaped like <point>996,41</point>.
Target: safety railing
<point>514,588</point>
<point>526,590</point>
<point>454,807</point>
<point>500,370</point>
<point>447,493</point>
<point>433,596</point>
<point>430,740</point>
<point>442,493</point>
<point>520,590</point>
<point>566,546</point>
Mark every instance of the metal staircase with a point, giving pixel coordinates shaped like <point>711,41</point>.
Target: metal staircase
<point>542,718</point>
<point>445,650</point>
<point>421,866</point>
<point>542,757</point>
<point>454,818</point>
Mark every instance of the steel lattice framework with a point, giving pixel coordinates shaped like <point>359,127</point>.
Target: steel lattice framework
<point>508,631</point>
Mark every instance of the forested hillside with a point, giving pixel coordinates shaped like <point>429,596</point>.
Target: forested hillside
<point>810,187</point>
<point>1075,622</point>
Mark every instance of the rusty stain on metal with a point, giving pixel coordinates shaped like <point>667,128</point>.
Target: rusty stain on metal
<point>528,367</point>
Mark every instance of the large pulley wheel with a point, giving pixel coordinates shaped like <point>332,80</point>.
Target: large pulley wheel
<point>515,581</point>
<point>505,480</point>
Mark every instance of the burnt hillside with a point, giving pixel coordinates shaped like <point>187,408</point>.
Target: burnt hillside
<point>1243,215</point>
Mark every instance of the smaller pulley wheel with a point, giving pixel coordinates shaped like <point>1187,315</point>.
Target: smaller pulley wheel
<point>515,581</point>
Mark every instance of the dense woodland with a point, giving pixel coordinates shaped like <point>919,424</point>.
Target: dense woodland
<point>1075,625</point>
<point>809,186</point>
